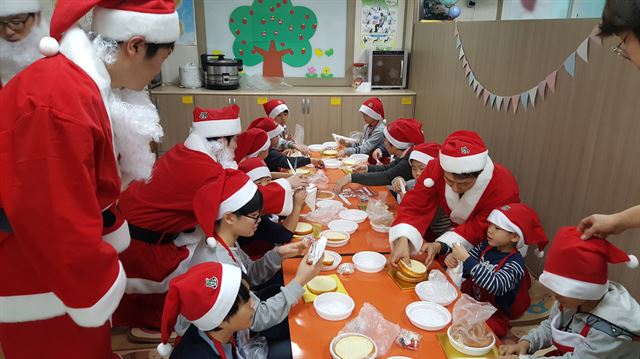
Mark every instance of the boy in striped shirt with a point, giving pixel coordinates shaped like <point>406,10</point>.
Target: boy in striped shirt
<point>494,270</point>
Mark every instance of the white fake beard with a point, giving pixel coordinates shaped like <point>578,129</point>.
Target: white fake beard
<point>15,56</point>
<point>135,124</point>
<point>222,154</point>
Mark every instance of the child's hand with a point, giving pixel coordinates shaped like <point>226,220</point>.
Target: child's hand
<point>292,249</point>
<point>298,197</point>
<point>521,348</point>
<point>397,184</point>
<point>337,188</point>
<point>307,272</point>
<point>459,252</point>
<point>340,154</point>
<point>450,261</point>
<point>376,154</point>
<point>317,163</point>
<point>296,181</point>
<point>303,149</point>
<point>360,168</point>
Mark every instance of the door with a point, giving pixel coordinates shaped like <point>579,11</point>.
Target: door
<point>324,117</point>
<point>176,115</point>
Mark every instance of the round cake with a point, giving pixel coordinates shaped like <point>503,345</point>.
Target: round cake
<point>327,260</point>
<point>335,236</point>
<point>303,228</point>
<point>354,347</point>
<point>322,284</point>
<point>330,153</point>
<point>414,273</point>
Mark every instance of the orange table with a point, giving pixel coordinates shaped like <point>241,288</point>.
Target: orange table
<point>311,335</point>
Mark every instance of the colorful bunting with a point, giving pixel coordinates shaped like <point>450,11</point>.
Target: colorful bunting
<point>492,100</point>
<point>594,35</point>
<point>551,81</point>
<point>524,99</point>
<point>472,78</point>
<point>499,100</point>
<point>461,54</point>
<point>515,103</point>
<point>532,96</point>
<point>583,50</point>
<point>485,97</point>
<point>570,64</point>
<point>467,71</point>
<point>542,86</point>
<point>458,43</point>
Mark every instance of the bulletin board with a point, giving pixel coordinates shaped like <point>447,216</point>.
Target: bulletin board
<point>280,38</point>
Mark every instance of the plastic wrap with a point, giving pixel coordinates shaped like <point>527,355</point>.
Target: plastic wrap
<point>258,82</point>
<point>408,339</point>
<point>319,179</point>
<point>455,273</point>
<point>378,213</point>
<point>469,317</point>
<point>298,137</point>
<point>346,268</point>
<point>438,289</point>
<point>371,322</point>
<point>255,347</point>
<point>324,215</point>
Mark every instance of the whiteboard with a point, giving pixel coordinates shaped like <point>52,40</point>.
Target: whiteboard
<point>327,45</point>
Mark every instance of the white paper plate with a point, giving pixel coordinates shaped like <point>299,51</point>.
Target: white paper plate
<point>316,148</point>
<point>337,259</point>
<point>381,229</point>
<point>330,195</point>
<point>444,298</point>
<point>343,225</point>
<point>355,215</point>
<point>359,157</point>
<point>336,243</point>
<point>328,203</point>
<point>469,350</point>
<point>330,145</point>
<point>369,262</point>
<point>428,315</point>
<point>331,163</point>
<point>333,306</point>
<point>337,338</point>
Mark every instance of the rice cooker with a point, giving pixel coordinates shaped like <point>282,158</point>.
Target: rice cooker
<point>220,73</point>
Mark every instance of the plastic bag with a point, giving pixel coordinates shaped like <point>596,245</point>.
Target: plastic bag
<point>455,274</point>
<point>255,347</point>
<point>259,82</point>
<point>324,214</point>
<point>298,137</point>
<point>378,213</point>
<point>371,322</point>
<point>469,317</point>
<point>438,289</point>
<point>408,339</point>
<point>319,179</point>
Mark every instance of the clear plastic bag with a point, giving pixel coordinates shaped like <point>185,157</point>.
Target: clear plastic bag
<point>319,179</point>
<point>469,317</point>
<point>455,273</point>
<point>259,82</point>
<point>298,136</point>
<point>378,212</point>
<point>371,322</point>
<point>255,347</point>
<point>438,289</point>
<point>324,214</point>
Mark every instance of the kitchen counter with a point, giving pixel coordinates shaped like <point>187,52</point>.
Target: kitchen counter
<point>170,89</point>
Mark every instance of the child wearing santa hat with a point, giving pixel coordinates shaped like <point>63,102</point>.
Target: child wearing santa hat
<point>494,270</point>
<point>278,110</point>
<point>372,112</point>
<point>592,317</point>
<point>400,138</point>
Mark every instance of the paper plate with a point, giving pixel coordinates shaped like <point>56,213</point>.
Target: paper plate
<point>330,145</point>
<point>444,298</point>
<point>343,225</point>
<point>331,163</point>
<point>334,306</point>
<point>316,148</point>
<point>337,259</point>
<point>380,228</point>
<point>337,338</point>
<point>428,315</point>
<point>359,157</point>
<point>325,195</point>
<point>369,262</point>
<point>335,243</point>
<point>464,349</point>
<point>355,215</point>
<point>329,203</point>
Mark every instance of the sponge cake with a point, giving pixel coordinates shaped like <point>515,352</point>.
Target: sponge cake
<point>354,347</point>
<point>322,284</point>
<point>303,228</point>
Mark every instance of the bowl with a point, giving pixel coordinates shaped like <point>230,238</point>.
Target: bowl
<point>443,298</point>
<point>380,228</point>
<point>343,225</point>
<point>349,162</point>
<point>340,243</point>
<point>359,157</point>
<point>337,259</point>
<point>329,203</point>
<point>316,148</point>
<point>333,306</point>
<point>337,338</point>
<point>355,215</point>
<point>428,315</point>
<point>369,262</point>
<point>325,195</point>
<point>330,145</point>
<point>464,349</point>
<point>331,163</point>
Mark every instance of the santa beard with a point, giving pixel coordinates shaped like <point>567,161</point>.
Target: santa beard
<point>222,153</point>
<point>15,56</point>
<point>135,124</point>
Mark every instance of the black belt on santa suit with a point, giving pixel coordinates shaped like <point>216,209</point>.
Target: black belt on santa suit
<point>4,222</point>
<point>154,237</point>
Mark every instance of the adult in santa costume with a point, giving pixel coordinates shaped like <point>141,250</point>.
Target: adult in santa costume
<point>61,131</point>
<point>592,317</point>
<point>21,28</point>
<point>466,184</point>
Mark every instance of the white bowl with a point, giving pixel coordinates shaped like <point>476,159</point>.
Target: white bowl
<point>355,215</point>
<point>428,315</point>
<point>333,306</point>
<point>335,243</point>
<point>369,262</point>
<point>330,145</point>
<point>337,338</point>
<point>469,350</point>
<point>337,259</point>
<point>328,203</point>
<point>329,194</point>
<point>380,228</point>
<point>443,298</point>
<point>359,157</point>
<point>316,148</point>
<point>343,225</point>
<point>331,163</point>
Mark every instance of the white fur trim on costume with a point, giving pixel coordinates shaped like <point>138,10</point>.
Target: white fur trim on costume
<point>428,182</point>
<point>287,206</point>
<point>30,307</point>
<point>211,242</point>
<point>451,237</point>
<point>260,172</point>
<point>217,128</point>
<point>498,218</point>
<point>229,285</point>
<point>461,207</point>
<point>16,7</point>
<point>572,288</point>
<point>164,349</point>
<point>121,25</point>
<point>264,147</point>
<point>49,46</point>
<point>238,199</point>
<point>633,261</point>
<point>119,239</point>
<point>196,142</point>
<point>275,132</point>
<point>397,144</point>
<point>538,253</point>
<point>409,231</point>
<point>279,109</point>
<point>99,313</point>
<point>420,157</point>
<point>370,112</point>
<point>465,164</point>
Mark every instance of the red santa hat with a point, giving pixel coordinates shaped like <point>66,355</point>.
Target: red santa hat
<point>255,168</point>
<point>156,20</point>
<point>522,220</point>
<point>425,152</point>
<point>275,107</point>
<point>373,108</point>
<point>268,125</point>
<point>577,268</point>
<point>217,122</point>
<point>16,7</point>
<point>404,133</point>
<point>250,143</point>
<point>204,295</point>
<point>463,152</point>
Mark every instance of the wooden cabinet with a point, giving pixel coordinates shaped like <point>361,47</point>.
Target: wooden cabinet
<point>176,116</point>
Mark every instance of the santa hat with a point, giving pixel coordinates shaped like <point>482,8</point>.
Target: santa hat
<point>16,7</point>
<point>275,107</point>
<point>217,122</point>
<point>204,295</point>
<point>250,143</point>
<point>404,133</point>
<point>156,20</point>
<point>463,152</point>
<point>373,108</point>
<point>522,220</point>
<point>268,125</point>
<point>425,152</point>
<point>255,168</point>
<point>577,268</point>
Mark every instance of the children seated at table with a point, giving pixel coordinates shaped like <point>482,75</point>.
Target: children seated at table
<point>253,142</point>
<point>494,270</point>
<point>592,317</point>
<point>418,159</point>
<point>372,132</point>
<point>400,138</point>
<point>277,110</point>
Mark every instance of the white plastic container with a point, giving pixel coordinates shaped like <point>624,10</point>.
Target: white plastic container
<point>467,349</point>
<point>337,259</point>
<point>316,148</point>
<point>355,215</point>
<point>337,338</point>
<point>443,298</point>
<point>369,262</point>
<point>333,306</point>
<point>343,225</point>
<point>329,203</point>
<point>330,145</point>
<point>428,315</point>
<point>331,163</point>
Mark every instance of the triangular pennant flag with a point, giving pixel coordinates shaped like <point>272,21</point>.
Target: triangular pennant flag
<point>515,103</point>
<point>499,100</point>
<point>570,64</point>
<point>474,85</point>
<point>479,89</point>
<point>464,61</point>
<point>485,97</point>
<point>551,81</point>
<point>524,99</point>
<point>458,43</point>
<point>594,35</point>
<point>532,96</point>
<point>455,31</point>
<point>542,86</point>
<point>472,77</point>
<point>492,100</point>
<point>467,71</point>
<point>507,101</point>
<point>461,54</point>
<point>583,50</point>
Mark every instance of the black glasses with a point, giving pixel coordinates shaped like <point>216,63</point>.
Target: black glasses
<point>256,218</point>
<point>620,48</point>
<point>16,23</point>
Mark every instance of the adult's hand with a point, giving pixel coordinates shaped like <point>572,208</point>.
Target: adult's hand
<point>399,251</point>
<point>432,249</point>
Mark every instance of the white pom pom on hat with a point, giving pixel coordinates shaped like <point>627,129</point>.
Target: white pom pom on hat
<point>538,253</point>
<point>633,261</point>
<point>164,349</point>
<point>428,182</point>
<point>49,46</point>
<point>211,242</point>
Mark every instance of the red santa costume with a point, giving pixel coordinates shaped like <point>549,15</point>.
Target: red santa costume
<point>461,152</point>
<point>60,281</point>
